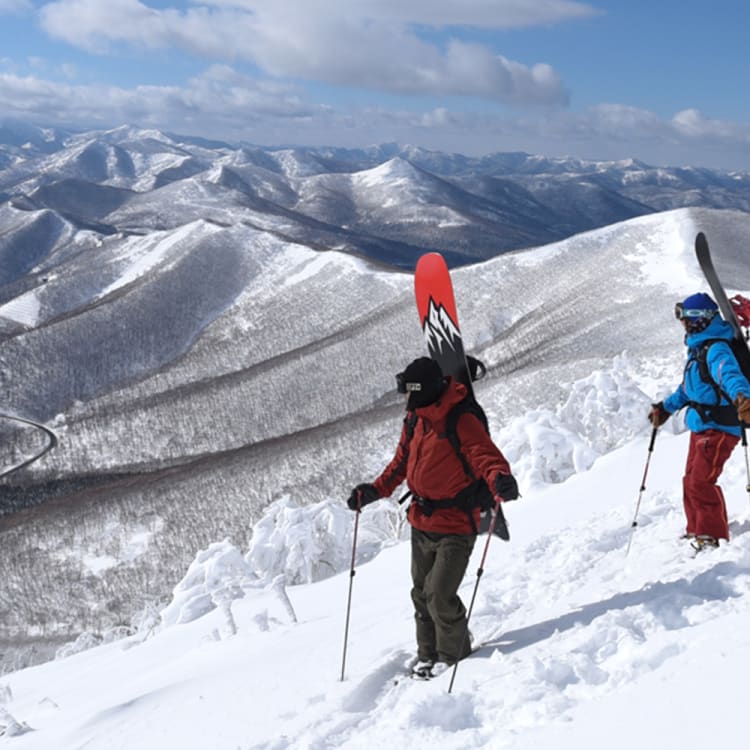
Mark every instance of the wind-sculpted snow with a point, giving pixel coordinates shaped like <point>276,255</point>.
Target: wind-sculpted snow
<point>217,574</point>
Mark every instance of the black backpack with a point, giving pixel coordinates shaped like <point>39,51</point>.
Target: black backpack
<point>723,414</point>
<point>476,494</point>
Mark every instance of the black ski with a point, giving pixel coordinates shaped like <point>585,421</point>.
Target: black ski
<point>703,254</point>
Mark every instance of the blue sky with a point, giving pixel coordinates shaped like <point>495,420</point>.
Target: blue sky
<point>662,81</point>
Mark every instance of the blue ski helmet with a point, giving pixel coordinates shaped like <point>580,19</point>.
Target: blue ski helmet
<point>696,311</point>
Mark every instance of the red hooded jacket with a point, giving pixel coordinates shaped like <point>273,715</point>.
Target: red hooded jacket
<point>432,469</point>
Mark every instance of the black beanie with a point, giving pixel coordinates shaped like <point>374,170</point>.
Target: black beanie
<point>423,381</point>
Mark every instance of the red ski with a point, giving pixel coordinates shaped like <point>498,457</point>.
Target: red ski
<point>437,314</point>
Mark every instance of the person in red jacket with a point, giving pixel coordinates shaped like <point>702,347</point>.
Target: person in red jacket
<point>444,523</point>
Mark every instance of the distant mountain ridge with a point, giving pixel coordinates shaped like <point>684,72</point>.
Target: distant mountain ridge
<point>388,203</point>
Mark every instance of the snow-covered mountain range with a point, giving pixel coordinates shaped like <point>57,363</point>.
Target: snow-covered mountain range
<point>166,306</point>
<point>387,203</point>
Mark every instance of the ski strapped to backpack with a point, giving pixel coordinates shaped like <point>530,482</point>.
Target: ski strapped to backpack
<point>476,494</point>
<point>723,414</point>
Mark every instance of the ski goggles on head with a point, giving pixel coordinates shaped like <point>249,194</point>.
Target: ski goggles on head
<point>404,386</point>
<point>682,314</point>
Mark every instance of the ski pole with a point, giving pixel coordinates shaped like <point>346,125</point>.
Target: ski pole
<point>349,600</point>
<point>747,461</point>
<point>480,571</point>
<point>643,487</point>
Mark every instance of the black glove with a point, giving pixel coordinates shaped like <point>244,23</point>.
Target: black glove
<point>658,414</point>
<point>506,486</point>
<point>362,494</point>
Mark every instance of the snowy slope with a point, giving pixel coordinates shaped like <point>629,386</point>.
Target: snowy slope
<point>582,646</point>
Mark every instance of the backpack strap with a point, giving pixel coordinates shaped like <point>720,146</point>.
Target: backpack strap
<point>471,406</point>
<point>723,414</point>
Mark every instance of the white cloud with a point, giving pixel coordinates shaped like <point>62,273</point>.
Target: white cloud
<point>607,132</point>
<point>622,120</point>
<point>15,6</point>
<point>359,43</point>
<point>94,26</point>
<point>692,122</point>
<point>492,14</point>
<point>222,103</point>
<point>219,101</point>
<point>69,70</point>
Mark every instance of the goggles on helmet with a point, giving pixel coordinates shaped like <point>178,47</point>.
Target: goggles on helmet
<point>681,313</point>
<point>402,386</point>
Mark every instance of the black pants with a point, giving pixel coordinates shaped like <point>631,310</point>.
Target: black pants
<point>438,565</point>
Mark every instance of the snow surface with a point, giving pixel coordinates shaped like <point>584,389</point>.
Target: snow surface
<point>581,646</point>
<point>23,309</point>
<point>139,256</point>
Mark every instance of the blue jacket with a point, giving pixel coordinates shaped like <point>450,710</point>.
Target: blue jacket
<point>724,369</point>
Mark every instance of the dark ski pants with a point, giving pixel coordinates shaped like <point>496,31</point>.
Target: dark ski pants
<point>438,564</point>
<point>703,499</point>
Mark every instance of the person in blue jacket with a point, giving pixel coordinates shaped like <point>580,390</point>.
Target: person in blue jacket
<point>717,397</point>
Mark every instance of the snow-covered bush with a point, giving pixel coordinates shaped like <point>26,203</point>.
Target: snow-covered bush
<point>84,642</point>
<point>218,575</point>
<point>302,542</point>
<point>147,621</point>
<point>307,543</point>
<point>602,412</point>
<point>606,409</point>
<point>10,727</point>
<point>541,449</point>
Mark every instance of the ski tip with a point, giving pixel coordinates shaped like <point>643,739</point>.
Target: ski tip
<point>431,259</point>
<point>700,240</point>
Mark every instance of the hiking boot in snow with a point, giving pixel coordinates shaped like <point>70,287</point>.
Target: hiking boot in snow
<point>703,542</point>
<point>422,670</point>
<point>426,670</point>
<point>688,535</point>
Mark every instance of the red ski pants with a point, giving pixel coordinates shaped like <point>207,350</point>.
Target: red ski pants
<point>703,499</point>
